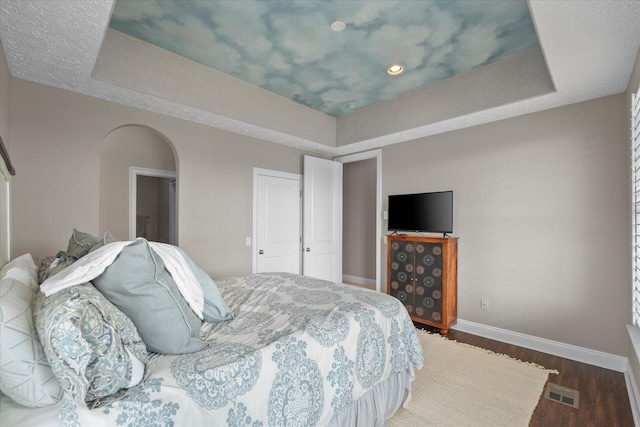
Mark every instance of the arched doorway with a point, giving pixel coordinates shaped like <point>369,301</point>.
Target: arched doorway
<point>138,185</point>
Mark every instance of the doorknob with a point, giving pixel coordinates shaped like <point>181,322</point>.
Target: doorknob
<point>308,249</point>
<point>260,252</point>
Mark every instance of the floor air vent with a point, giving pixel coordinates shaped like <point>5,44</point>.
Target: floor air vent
<point>563,395</point>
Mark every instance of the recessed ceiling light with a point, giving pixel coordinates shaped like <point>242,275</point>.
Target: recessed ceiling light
<point>395,69</point>
<point>338,25</point>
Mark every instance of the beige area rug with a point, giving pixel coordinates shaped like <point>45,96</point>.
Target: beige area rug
<point>465,386</point>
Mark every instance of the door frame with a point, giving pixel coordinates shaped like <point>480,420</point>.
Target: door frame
<point>254,218</point>
<point>5,215</point>
<point>134,172</point>
<point>365,155</point>
<point>173,212</point>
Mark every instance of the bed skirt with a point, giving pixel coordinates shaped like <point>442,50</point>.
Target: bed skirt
<point>376,407</point>
<point>373,409</point>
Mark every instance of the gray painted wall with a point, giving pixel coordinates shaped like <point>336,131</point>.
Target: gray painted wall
<point>57,138</point>
<point>359,219</point>
<point>541,208</point>
<point>541,200</point>
<point>5,79</point>
<point>634,83</point>
<point>126,147</point>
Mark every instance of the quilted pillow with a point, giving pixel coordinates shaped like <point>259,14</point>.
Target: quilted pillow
<point>138,283</point>
<point>23,269</point>
<point>92,347</point>
<point>25,375</point>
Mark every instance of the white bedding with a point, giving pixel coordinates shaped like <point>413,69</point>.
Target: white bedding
<point>300,351</point>
<point>94,264</point>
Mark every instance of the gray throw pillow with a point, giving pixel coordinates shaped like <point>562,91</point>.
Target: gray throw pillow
<point>108,238</point>
<point>81,243</point>
<point>215,309</point>
<point>140,286</point>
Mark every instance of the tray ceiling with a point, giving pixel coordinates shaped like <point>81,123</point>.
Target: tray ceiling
<point>289,47</point>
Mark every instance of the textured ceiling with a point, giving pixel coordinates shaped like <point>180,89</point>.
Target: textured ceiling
<point>588,48</point>
<point>289,48</point>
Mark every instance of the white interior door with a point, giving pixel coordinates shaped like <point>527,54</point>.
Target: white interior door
<point>322,219</point>
<point>277,231</point>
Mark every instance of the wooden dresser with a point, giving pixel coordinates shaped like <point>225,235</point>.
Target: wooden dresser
<point>422,272</point>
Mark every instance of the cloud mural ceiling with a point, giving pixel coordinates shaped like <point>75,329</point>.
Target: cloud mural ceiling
<point>288,47</point>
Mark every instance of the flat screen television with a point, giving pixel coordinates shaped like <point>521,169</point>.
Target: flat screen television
<point>426,212</point>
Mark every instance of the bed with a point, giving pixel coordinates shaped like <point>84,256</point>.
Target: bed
<point>296,351</point>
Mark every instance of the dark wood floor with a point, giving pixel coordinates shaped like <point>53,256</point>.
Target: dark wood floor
<point>604,401</point>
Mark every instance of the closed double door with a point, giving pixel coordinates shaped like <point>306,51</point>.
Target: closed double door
<point>281,241</point>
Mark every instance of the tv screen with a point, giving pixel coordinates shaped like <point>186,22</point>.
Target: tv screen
<point>427,212</point>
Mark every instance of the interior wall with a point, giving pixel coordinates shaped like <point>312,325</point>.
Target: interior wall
<point>147,208</point>
<point>123,148</point>
<point>541,207</point>
<point>359,219</point>
<point>56,140</point>
<point>162,221</point>
<point>152,205</point>
<point>5,185</point>
<point>634,352</point>
<point>5,90</point>
<point>541,202</point>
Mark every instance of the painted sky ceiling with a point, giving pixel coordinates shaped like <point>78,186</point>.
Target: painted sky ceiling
<point>288,47</point>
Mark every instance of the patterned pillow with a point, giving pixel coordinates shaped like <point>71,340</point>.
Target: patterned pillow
<point>88,342</point>
<point>25,375</point>
<point>50,266</point>
<point>44,263</point>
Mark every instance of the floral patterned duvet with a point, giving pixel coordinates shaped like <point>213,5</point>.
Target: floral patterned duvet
<point>299,351</point>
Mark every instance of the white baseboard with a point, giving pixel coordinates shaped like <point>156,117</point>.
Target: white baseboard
<point>634,396</point>
<point>629,377</point>
<point>568,351</point>
<point>359,280</point>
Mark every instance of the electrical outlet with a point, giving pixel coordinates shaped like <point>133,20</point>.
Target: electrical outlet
<point>247,241</point>
<point>484,304</point>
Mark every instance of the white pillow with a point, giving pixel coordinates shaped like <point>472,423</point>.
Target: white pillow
<point>22,269</point>
<point>25,375</point>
